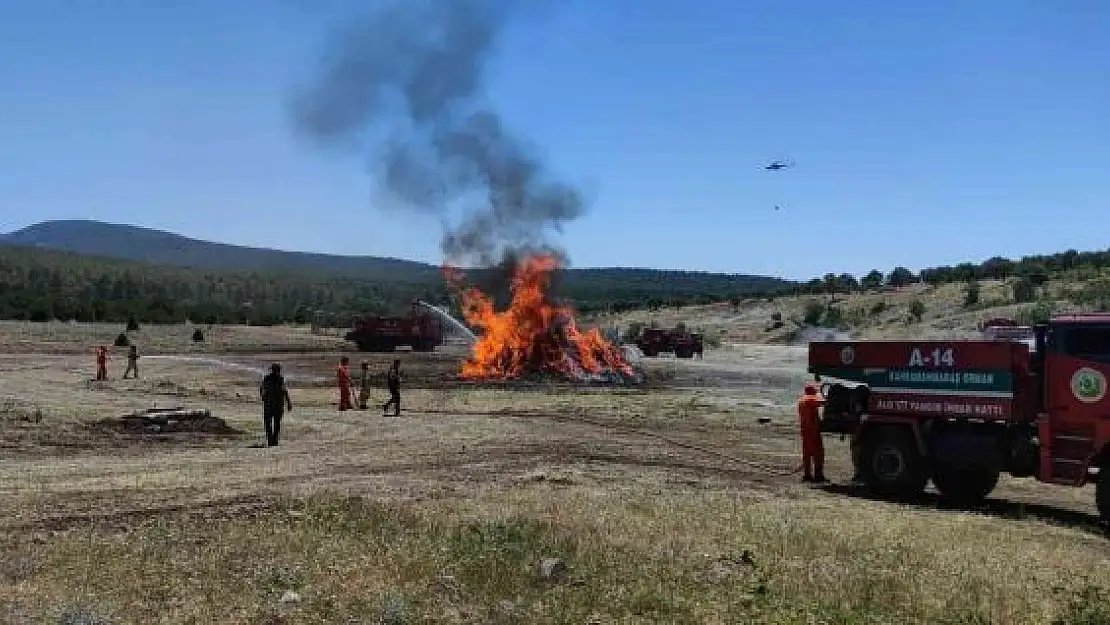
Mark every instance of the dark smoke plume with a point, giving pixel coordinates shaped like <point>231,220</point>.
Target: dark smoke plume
<point>409,82</point>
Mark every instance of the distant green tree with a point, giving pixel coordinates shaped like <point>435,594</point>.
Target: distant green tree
<point>900,276</point>
<point>848,283</point>
<point>873,280</point>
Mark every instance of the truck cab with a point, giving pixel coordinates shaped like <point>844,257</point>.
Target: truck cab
<point>1075,413</point>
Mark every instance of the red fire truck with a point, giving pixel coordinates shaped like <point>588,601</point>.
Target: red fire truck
<point>421,331</point>
<point>961,412</point>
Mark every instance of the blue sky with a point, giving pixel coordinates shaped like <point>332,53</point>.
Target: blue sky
<point>923,133</point>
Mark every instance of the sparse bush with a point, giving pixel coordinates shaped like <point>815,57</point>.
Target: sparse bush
<point>971,294</point>
<point>1024,290</point>
<point>198,336</point>
<point>834,317</point>
<point>776,316</point>
<point>1094,294</point>
<point>132,324</point>
<point>879,307</point>
<point>814,310</point>
<point>1034,314</point>
<point>917,310</point>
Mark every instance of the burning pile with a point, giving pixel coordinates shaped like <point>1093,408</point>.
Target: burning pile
<point>534,336</point>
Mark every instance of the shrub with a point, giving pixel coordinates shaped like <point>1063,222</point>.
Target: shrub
<point>917,310</point>
<point>1024,290</point>
<point>814,310</point>
<point>971,295</point>
<point>1034,314</point>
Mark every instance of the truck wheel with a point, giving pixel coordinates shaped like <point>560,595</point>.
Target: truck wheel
<point>965,466</point>
<point>965,486</point>
<point>892,464</point>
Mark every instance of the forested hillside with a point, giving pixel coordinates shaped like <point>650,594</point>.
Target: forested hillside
<point>40,284</point>
<point>274,286</point>
<point>216,278</point>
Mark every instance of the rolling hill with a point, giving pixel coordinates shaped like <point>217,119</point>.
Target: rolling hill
<point>158,247</point>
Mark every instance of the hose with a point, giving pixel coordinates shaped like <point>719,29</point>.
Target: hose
<point>648,434</point>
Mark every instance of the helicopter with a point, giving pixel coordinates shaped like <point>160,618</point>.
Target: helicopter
<point>777,165</point>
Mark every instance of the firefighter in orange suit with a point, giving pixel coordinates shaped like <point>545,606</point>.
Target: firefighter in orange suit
<point>813,449</point>
<point>343,381</point>
<point>101,363</point>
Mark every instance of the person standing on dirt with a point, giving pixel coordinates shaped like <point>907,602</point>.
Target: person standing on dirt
<point>343,381</point>
<point>101,363</point>
<point>813,448</point>
<point>132,362</point>
<point>364,386</point>
<point>275,402</point>
<point>393,383</point>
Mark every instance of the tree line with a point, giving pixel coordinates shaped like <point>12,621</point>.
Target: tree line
<point>1035,270</point>
<point>38,284</point>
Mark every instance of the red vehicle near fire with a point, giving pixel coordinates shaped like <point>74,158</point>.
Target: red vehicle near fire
<point>684,344</point>
<point>962,412</point>
<point>421,331</point>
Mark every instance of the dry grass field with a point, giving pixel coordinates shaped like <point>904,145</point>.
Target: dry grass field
<point>869,315</point>
<point>528,503</point>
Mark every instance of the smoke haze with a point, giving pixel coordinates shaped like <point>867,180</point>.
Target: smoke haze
<point>409,81</point>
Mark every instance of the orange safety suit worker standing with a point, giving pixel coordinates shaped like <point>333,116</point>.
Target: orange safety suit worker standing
<point>101,363</point>
<point>813,449</point>
<point>343,381</point>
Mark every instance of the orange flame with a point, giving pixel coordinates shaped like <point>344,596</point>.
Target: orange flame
<point>533,335</point>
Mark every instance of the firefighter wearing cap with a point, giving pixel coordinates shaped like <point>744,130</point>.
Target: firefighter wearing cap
<point>813,449</point>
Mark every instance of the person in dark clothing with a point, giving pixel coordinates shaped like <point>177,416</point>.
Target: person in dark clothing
<point>275,402</point>
<point>132,362</point>
<point>393,382</point>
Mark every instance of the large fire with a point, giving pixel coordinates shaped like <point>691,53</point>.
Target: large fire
<point>533,335</point>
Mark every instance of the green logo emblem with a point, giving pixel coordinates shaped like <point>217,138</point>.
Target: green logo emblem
<point>1088,385</point>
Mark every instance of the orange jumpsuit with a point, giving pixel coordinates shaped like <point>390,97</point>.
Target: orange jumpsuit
<point>813,448</point>
<point>101,363</point>
<point>343,380</point>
